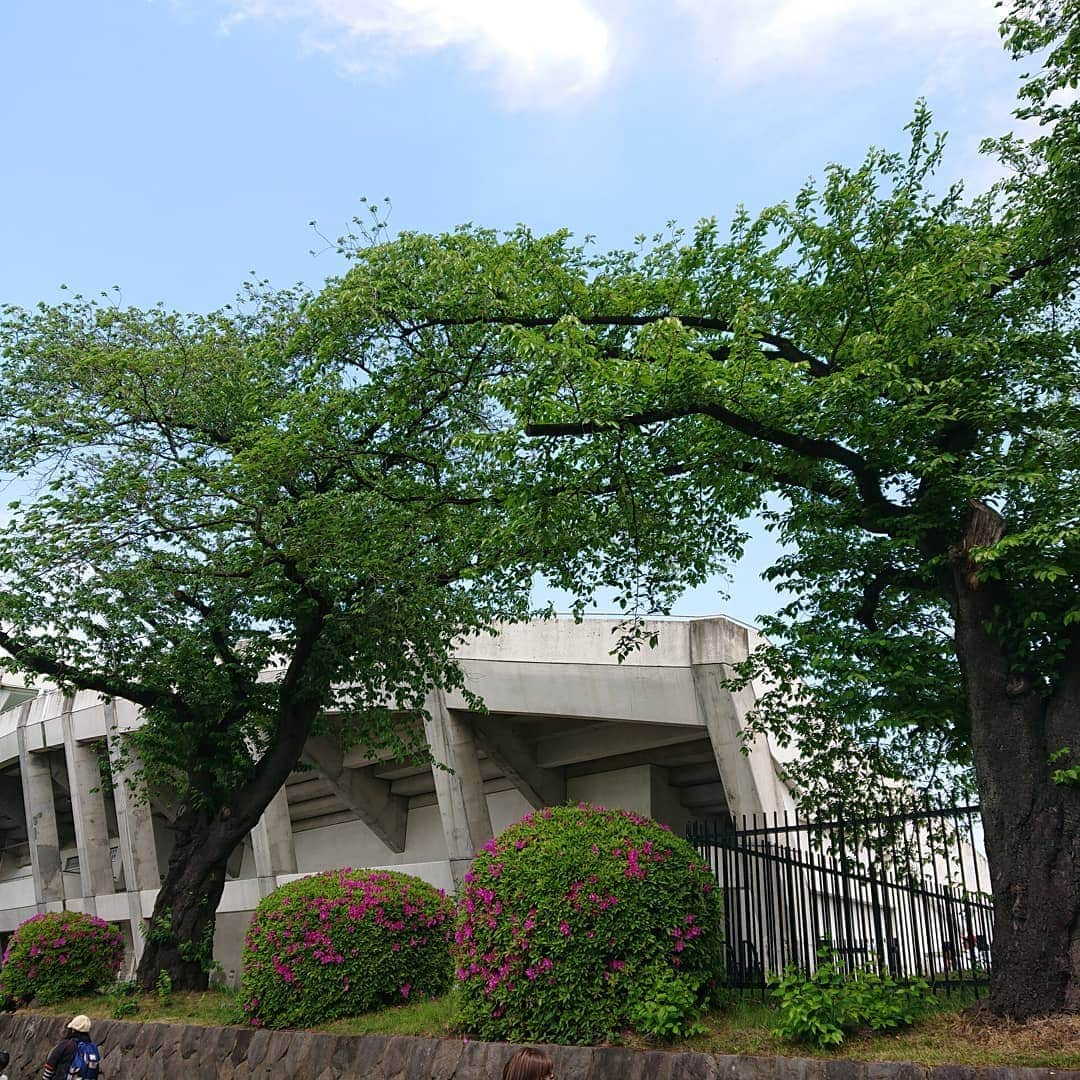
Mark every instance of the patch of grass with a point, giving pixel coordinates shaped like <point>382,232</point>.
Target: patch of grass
<point>216,1008</point>
<point>950,1036</point>
<point>429,1016</point>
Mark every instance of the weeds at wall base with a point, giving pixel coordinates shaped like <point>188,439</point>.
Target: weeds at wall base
<point>950,1036</point>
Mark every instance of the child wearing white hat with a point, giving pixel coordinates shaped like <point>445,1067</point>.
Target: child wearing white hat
<point>75,1054</point>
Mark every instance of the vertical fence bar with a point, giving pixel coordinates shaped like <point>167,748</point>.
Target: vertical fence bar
<point>983,934</point>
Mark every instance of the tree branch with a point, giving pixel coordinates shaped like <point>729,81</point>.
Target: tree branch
<point>876,586</point>
<point>867,482</point>
<point>783,345</point>
<point>38,662</point>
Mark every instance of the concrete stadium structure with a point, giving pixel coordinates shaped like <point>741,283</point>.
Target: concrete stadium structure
<point>658,734</point>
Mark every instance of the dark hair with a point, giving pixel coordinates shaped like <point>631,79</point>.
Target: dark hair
<point>5,1057</point>
<point>529,1064</point>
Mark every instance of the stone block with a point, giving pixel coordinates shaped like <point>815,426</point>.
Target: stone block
<point>658,1065</point>
<point>689,1066</point>
<point>319,1055</point>
<point>240,1047</point>
<point>256,1050</point>
<point>906,1070</point>
<point>157,1067</point>
<point>445,1060</point>
<point>192,1039</point>
<point>124,1035</point>
<point>278,1047</point>
<point>845,1070</point>
<point>148,1036</point>
<point>367,1054</point>
<point>783,1068</point>
<point>953,1072</point>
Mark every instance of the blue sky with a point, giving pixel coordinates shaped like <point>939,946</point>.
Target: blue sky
<point>171,146</point>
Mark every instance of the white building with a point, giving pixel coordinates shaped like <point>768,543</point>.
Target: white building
<point>657,734</point>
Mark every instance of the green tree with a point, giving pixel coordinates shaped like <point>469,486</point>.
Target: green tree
<point>209,499</point>
<point>889,375</point>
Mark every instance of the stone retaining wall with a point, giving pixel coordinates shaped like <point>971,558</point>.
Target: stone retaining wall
<point>135,1051</point>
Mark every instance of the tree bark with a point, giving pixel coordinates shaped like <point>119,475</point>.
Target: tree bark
<point>1031,824</point>
<point>180,934</point>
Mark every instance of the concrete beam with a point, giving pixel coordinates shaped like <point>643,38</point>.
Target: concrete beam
<point>317,807</point>
<point>688,775</point>
<point>591,691</point>
<point>272,844</point>
<point>88,812</point>
<point>41,829</point>
<point>600,740</point>
<point>313,786</point>
<point>423,783</point>
<point>491,787</point>
<point>459,787</point>
<point>703,795</point>
<point>689,753</point>
<point>360,757</point>
<point>326,820</point>
<point>385,814</point>
<point>539,786</point>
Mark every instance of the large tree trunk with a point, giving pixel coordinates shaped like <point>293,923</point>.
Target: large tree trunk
<point>180,934</point>
<point>1031,824</point>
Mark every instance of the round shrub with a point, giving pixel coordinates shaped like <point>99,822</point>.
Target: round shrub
<point>572,917</point>
<point>343,942</point>
<point>55,956</point>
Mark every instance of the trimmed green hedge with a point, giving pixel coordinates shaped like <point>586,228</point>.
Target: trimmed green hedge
<point>578,922</point>
<point>344,942</point>
<point>58,955</point>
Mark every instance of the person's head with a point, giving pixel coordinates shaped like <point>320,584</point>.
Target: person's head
<point>79,1026</point>
<point>529,1064</point>
<point>5,1057</point>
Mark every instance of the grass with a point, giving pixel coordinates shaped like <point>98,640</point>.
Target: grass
<point>949,1036</point>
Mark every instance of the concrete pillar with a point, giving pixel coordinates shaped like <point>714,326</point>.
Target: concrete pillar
<point>746,767</point>
<point>272,844</point>
<point>723,717</point>
<point>460,794</point>
<point>135,826</point>
<point>41,832</point>
<point>88,810</point>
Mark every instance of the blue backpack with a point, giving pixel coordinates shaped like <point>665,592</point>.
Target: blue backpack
<point>86,1062</point>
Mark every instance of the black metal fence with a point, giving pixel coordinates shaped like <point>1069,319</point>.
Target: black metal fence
<point>907,894</point>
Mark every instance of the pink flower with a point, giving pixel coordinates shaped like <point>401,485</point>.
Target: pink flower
<point>564,928</point>
<point>406,987</point>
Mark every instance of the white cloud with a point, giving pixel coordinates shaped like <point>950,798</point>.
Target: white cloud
<point>769,40</point>
<point>538,53</point>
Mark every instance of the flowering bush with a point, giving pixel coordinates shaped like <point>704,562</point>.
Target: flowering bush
<point>571,915</point>
<point>55,956</point>
<point>343,942</point>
